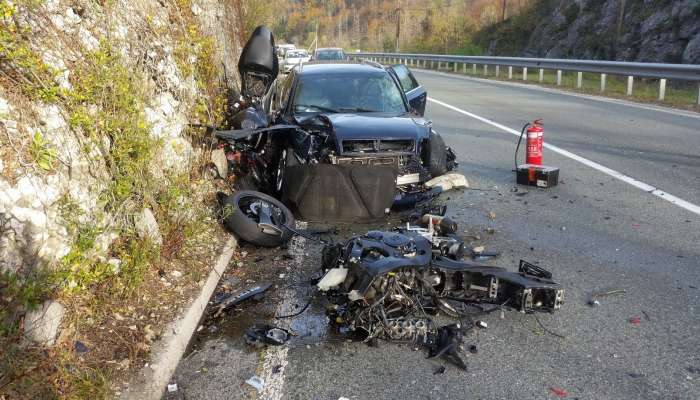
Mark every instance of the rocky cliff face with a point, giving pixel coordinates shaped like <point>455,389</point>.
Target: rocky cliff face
<point>95,100</point>
<point>628,30</point>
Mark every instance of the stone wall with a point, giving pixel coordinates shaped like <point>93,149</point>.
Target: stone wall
<point>46,161</point>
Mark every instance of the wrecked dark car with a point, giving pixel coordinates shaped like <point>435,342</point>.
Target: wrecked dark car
<point>333,141</point>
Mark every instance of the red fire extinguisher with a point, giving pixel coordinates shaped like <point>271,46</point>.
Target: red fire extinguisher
<point>534,141</point>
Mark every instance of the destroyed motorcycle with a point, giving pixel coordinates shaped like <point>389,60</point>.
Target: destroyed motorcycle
<point>389,285</point>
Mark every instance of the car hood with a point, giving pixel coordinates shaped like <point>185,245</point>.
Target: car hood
<point>376,126</point>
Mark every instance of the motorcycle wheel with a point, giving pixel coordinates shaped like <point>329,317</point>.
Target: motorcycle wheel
<point>240,213</point>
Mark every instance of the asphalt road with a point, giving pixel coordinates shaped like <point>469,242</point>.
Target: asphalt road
<point>593,231</point>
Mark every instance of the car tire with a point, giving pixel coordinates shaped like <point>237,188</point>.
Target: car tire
<point>437,155</point>
<point>285,159</point>
<point>245,227</point>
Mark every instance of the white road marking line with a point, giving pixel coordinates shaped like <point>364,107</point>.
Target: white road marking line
<point>276,356</point>
<point>274,364</point>
<point>564,92</point>
<point>615,174</point>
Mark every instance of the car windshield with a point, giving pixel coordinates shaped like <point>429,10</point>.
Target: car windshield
<point>341,93</point>
<point>330,55</point>
<point>295,54</point>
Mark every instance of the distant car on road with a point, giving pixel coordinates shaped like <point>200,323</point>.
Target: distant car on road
<point>293,58</point>
<point>329,54</point>
<point>282,49</point>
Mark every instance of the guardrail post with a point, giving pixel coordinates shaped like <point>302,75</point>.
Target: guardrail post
<point>486,69</point>
<point>630,84</point>
<point>464,67</point>
<point>558,77</point>
<point>510,72</point>
<point>498,70</point>
<point>579,79</point>
<point>432,64</point>
<point>473,69</point>
<point>602,82</point>
<point>524,73</point>
<point>454,66</point>
<point>699,94</point>
<point>662,89</point>
<point>541,75</point>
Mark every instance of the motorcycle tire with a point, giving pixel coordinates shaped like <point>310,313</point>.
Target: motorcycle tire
<point>238,218</point>
<point>437,155</point>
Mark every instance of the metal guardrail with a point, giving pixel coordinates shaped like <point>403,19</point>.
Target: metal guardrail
<point>686,72</point>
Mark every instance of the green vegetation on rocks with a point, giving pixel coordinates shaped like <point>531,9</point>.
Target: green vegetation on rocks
<point>103,104</point>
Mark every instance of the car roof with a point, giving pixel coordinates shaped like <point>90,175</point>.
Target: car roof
<point>339,67</point>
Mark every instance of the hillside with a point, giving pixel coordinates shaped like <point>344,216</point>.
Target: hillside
<point>626,30</point>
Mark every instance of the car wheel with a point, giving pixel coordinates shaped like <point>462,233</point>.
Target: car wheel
<point>437,155</point>
<point>241,213</point>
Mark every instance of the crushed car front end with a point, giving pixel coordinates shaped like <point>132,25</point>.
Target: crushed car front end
<point>392,141</point>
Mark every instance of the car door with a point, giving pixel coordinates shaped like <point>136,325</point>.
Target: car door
<point>417,95</point>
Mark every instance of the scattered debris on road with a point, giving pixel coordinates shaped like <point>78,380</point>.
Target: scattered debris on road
<point>260,335</point>
<point>593,301</point>
<point>559,392</point>
<point>230,300</point>
<point>439,370</point>
<point>257,382</point>
<point>390,285</point>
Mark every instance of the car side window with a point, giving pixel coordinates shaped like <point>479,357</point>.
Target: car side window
<point>408,82</point>
<point>269,100</point>
<point>283,94</point>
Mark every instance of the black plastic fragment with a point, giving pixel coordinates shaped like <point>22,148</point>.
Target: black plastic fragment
<point>446,343</point>
<point>222,304</point>
<point>533,270</point>
<point>260,335</point>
